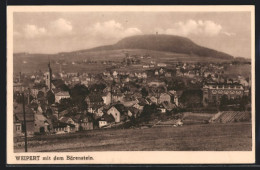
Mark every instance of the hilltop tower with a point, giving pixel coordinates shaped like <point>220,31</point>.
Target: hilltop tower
<point>49,76</point>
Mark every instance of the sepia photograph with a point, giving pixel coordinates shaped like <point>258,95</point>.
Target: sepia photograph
<point>130,84</point>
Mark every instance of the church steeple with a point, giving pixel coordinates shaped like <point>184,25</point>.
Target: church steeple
<point>49,76</point>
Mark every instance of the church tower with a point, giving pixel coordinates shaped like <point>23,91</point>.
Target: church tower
<point>49,76</point>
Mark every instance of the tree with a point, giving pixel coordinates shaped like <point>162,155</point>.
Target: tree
<point>147,112</point>
<point>209,77</point>
<point>224,100</point>
<point>50,97</point>
<point>40,95</point>
<point>78,94</point>
<point>48,112</point>
<point>243,102</point>
<point>98,87</point>
<point>182,70</point>
<point>64,104</point>
<point>191,98</point>
<point>125,89</point>
<point>144,92</point>
<point>18,97</point>
<point>176,84</point>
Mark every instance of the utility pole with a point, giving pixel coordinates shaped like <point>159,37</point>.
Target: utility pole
<point>24,122</point>
<point>29,96</point>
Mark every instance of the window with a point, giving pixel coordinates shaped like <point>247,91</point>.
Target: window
<point>18,127</point>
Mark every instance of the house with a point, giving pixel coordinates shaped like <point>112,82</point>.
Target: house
<point>41,123</point>
<point>138,106</point>
<point>174,97</point>
<point>133,112</point>
<point>168,74</point>
<point>115,74</point>
<point>57,84</point>
<point>37,88</point>
<point>18,87</point>
<point>137,95</point>
<point>86,124</point>
<point>168,105</point>
<point>67,120</point>
<point>153,99</point>
<point>243,82</point>
<point>161,71</point>
<point>75,79</point>
<point>102,123</point>
<point>106,73</point>
<point>178,72</point>
<point>106,98</point>
<point>106,120</point>
<point>191,74</point>
<point>94,101</point>
<point>73,74</point>
<point>115,113</point>
<point>148,101</point>
<point>142,101</point>
<point>161,108</point>
<point>61,95</point>
<point>164,97</point>
<point>118,97</point>
<point>129,103</point>
<point>99,112</point>
<point>83,122</point>
<point>156,83</point>
<point>60,128</point>
<point>161,65</point>
<point>144,75</point>
<point>138,75</point>
<point>19,119</point>
<point>17,127</point>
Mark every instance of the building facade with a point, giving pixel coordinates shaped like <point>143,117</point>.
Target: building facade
<point>61,95</point>
<point>212,93</point>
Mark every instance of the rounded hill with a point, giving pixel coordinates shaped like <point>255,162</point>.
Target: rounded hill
<point>167,43</point>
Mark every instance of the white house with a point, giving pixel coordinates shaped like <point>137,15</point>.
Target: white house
<point>115,74</point>
<point>102,123</point>
<point>61,95</point>
<point>161,65</point>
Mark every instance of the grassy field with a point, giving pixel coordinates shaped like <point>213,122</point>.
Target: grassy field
<point>204,137</point>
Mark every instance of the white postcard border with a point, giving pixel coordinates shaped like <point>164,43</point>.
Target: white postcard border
<point>128,157</point>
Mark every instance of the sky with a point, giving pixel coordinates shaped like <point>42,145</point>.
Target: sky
<point>53,32</point>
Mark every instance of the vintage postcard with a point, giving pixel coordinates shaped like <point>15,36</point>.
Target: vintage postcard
<point>130,84</point>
